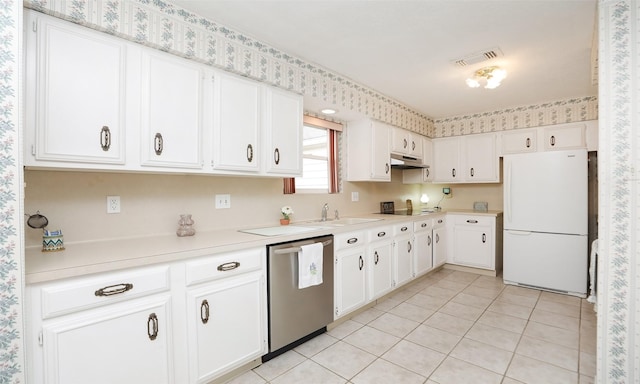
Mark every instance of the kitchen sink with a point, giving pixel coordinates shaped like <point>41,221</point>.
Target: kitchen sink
<point>338,223</point>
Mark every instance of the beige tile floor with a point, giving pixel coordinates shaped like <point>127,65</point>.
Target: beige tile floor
<point>449,327</point>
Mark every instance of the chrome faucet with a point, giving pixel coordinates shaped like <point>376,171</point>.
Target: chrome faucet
<point>325,209</point>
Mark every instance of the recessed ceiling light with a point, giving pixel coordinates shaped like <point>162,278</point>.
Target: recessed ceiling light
<point>328,111</point>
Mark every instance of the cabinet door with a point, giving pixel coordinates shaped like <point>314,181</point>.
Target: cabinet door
<point>236,124</point>
<point>519,141</point>
<point>226,325</point>
<point>172,111</point>
<point>350,280</point>
<point>403,255</point>
<point>122,343</point>
<point>79,93</point>
<point>415,145</point>
<point>427,152</point>
<point>565,137</point>
<point>400,141</point>
<point>446,160</point>
<point>380,264</point>
<point>283,133</point>
<point>380,154</point>
<point>482,161</point>
<point>423,255</point>
<point>439,246</point>
<point>473,246</point>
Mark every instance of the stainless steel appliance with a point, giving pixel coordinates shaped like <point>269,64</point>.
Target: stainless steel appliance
<point>296,315</point>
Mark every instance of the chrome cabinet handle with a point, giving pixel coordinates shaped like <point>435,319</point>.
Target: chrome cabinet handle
<point>484,237</point>
<point>352,240</point>
<point>360,263</point>
<point>114,289</point>
<point>382,234</point>
<point>453,172</point>
<point>439,221</point>
<point>472,172</point>
<point>528,142</point>
<point>386,168</point>
<point>413,145</point>
<point>158,144</point>
<point>204,311</point>
<point>423,225</point>
<point>276,156</point>
<point>105,138</point>
<point>426,171</point>
<point>428,240</point>
<point>250,153</point>
<point>552,141</point>
<point>405,143</point>
<point>409,247</point>
<point>472,221</point>
<point>437,238</point>
<point>228,266</point>
<point>152,326</point>
<point>404,229</point>
<point>376,258</point>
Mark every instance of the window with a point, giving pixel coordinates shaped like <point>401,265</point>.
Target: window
<point>319,158</point>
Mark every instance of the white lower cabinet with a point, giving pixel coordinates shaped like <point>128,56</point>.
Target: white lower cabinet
<point>380,262</point>
<point>111,328</point>
<point>350,274</point>
<point>423,246</point>
<point>475,241</point>
<point>403,252</point>
<point>187,322</point>
<point>225,325</point>
<point>440,245</point>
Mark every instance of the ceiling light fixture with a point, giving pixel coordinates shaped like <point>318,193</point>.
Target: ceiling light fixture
<point>328,111</point>
<point>492,76</point>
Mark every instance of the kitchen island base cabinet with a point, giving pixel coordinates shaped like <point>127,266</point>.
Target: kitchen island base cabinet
<point>225,326</point>
<point>476,242</point>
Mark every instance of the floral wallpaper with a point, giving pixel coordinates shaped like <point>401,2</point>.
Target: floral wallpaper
<point>550,113</point>
<point>11,249</point>
<point>619,181</point>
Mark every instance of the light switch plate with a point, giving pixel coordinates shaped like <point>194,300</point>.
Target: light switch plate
<point>223,201</point>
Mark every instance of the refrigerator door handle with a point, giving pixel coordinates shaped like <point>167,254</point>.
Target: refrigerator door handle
<point>518,233</point>
<point>508,194</point>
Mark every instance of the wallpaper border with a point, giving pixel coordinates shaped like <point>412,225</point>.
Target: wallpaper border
<point>11,249</point>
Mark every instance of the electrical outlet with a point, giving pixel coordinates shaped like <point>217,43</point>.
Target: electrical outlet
<point>355,196</point>
<point>223,201</point>
<point>113,204</point>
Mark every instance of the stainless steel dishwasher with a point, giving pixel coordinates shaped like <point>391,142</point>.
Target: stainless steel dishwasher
<point>297,315</point>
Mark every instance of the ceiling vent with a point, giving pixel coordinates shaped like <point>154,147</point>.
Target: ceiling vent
<point>478,57</point>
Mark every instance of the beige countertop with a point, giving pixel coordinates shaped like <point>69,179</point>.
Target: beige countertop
<point>84,258</point>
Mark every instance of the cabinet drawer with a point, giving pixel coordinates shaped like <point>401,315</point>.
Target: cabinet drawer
<point>349,240</point>
<point>82,293</point>
<point>224,265</point>
<point>380,233</point>
<point>474,220</point>
<point>403,229</point>
<point>423,225</point>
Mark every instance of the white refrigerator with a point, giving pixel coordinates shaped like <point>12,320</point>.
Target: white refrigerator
<point>545,221</point>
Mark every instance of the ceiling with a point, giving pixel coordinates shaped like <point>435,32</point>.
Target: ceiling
<point>406,49</point>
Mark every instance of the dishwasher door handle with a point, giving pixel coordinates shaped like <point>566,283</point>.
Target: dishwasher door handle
<point>296,249</point>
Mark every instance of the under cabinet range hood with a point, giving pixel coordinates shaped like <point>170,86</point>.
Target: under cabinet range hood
<point>406,162</point>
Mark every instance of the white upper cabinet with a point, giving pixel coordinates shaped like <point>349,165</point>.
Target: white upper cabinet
<point>75,93</point>
<point>446,160</point>
<point>406,143</point>
<point>519,141</point>
<point>565,137</point>
<point>283,132</point>
<point>481,161</point>
<point>466,159</point>
<point>236,124</point>
<point>368,151</point>
<point>171,111</point>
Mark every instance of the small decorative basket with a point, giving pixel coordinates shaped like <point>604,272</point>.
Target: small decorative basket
<point>52,241</point>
